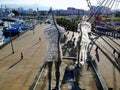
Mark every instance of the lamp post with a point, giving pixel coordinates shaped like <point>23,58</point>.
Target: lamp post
<point>10,15</point>
<point>11,44</point>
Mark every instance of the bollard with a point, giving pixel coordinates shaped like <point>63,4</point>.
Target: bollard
<point>21,55</point>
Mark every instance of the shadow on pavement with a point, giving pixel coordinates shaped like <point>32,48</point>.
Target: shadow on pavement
<point>6,56</point>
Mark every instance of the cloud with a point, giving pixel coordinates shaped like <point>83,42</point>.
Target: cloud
<point>56,4</point>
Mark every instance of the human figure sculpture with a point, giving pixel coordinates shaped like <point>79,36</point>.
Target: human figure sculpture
<point>53,33</point>
<point>84,28</point>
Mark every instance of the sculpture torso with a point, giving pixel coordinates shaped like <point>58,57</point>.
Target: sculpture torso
<point>51,34</point>
<point>85,28</point>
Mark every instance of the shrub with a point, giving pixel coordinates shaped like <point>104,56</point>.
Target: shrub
<point>68,24</point>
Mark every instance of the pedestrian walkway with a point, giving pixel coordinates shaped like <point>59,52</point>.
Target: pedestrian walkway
<point>18,70</point>
<point>106,61</point>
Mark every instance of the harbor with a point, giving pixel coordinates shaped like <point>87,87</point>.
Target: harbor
<point>10,30</point>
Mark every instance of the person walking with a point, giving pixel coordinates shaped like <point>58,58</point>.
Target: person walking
<point>114,51</point>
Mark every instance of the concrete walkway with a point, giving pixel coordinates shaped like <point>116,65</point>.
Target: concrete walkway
<point>17,73</point>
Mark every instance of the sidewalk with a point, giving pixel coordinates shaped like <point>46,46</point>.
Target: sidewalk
<point>106,60</point>
<point>17,73</point>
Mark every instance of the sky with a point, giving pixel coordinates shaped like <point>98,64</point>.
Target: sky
<point>46,4</point>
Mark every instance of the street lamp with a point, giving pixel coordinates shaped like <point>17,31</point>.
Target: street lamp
<point>10,15</point>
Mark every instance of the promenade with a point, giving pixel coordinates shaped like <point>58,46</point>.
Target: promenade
<point>18,70</point>
<point>17,73</point>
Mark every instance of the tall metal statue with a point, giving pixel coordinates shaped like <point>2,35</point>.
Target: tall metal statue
<point>53,33</point>
<point>84,28</point>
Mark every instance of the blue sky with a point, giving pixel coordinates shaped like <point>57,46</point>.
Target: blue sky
<point>45,4</point>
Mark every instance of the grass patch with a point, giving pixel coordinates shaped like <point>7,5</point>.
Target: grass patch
<point>110,18</point>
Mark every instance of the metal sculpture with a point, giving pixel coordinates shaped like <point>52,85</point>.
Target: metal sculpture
<point>53,33</point>
<point>84,28</point>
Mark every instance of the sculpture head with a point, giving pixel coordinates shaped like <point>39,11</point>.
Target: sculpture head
<point>51,16</point>
<point>85,18</point>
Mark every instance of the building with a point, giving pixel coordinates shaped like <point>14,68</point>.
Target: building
<point>70,11</point>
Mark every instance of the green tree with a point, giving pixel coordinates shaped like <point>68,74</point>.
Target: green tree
<point>68,24</point>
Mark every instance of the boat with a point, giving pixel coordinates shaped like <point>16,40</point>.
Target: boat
<point>24,27</point>
<point>20,25</point>
<point>11,32</point>
<point>1,40</point>
<point>15,25</point>
<point>1,37</point>
<point>1,23</point>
